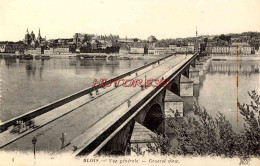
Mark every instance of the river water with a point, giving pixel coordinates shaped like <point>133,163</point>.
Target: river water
<point>218,88</point>
<point>29,84</point>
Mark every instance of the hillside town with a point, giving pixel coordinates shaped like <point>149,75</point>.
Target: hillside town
<point>245,43</point>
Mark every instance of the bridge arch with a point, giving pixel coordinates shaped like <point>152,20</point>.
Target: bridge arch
<point>154,117</point>
<point>186,74</point>
<point>175,89</point>
<point>186,71</point>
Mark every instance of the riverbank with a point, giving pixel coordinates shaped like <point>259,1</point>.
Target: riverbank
<point>140,56</point>
<point>92,55</point>
<point>252,57</point>
<point>121,56</point>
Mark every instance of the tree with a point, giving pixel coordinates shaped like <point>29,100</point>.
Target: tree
<point>152,39</point>
<point>135,39</point>
<point>222,37</point>
<point>87,38</point>
<point>206,40</point>
<point>251,133</point>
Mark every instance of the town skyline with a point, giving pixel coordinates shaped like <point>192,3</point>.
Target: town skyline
<point>128,18</point>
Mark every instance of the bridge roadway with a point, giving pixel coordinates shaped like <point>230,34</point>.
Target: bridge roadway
<point>77,121</point>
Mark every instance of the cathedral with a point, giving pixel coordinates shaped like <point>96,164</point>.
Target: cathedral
<point>30,39</point>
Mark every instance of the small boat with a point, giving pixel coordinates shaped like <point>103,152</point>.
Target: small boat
<point>42,57</point>
<point>45,57</point>
<point>87,57</point>
<point>37,57</point>
<point>112,57</point>
<point>100,57</point>
<point>26,57</point>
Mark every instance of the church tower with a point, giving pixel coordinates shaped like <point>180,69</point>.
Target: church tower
<point>32,36</point>
<point>39,38</point>
<point>27,38</point>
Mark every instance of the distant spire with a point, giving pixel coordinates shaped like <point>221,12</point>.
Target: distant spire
<point>27,31</point>
<point>196,32</point>
<point>39,32</point>
<point>196,42</point>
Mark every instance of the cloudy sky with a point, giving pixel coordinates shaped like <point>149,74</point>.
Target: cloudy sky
<point>131,18</point>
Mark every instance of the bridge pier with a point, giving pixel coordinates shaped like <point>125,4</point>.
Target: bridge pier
<point>186,93</point>
<point>186,86</point>
<point>172,104</point>
<point>140,138</point>
<point>199,66</point>
<point>194,75</point>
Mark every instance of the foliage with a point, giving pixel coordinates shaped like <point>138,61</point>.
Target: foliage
<point>251,133</point>
<point>162,145</point>
<point>87,38</point>
<point>205,135</point>
<point>135,39</point>
<point>224,37</point>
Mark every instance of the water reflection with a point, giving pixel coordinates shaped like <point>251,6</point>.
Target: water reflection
<point>30,68</point>
<point>231,67</point>
<point>10,62</point>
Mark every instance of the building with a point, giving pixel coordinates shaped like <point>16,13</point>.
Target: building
<point>11,47</point>
<point>64,49</point>
<point>190,47</point>
<point>161,50</point>
<point>172,47</point>
<point>78,39</point>
<point>124,49</point>
<point>220,50</point>
<point>49,51</point>
<point>137,50</point>
<point>181,49</point>
<point>34,50</point>
<point>31,51</point>
<point>2,47</point>
<point>151,51</point>
<point>241,48</point>
<point>236,47</point>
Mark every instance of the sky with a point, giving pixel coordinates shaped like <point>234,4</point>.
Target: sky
<point>131,18</point>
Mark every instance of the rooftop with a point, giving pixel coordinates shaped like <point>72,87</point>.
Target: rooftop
<point>240,44</point>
